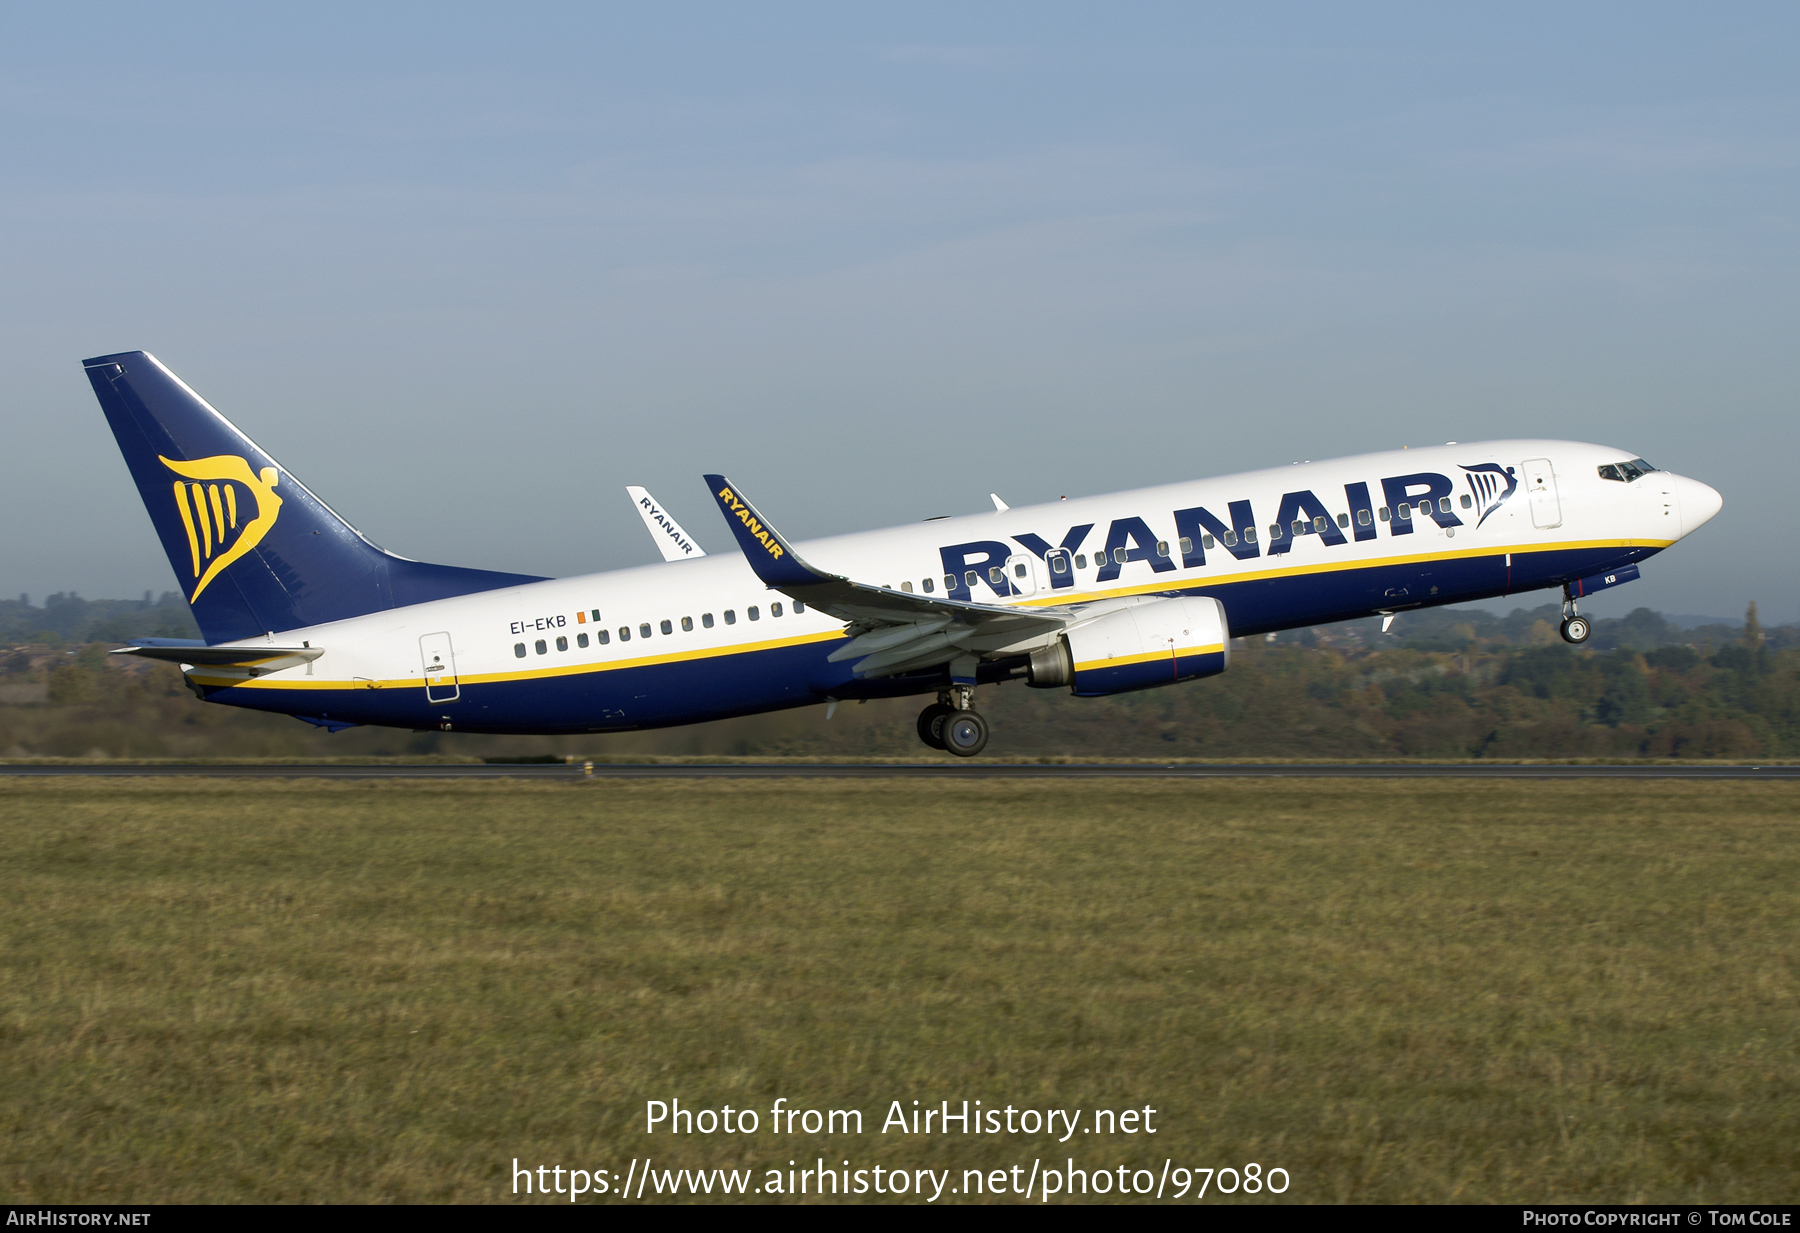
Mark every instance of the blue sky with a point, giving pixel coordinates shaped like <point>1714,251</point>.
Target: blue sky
<point>468,272</point>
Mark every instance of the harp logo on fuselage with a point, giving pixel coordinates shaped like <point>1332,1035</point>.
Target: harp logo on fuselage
<point>225,509</point>
<point>1485,483</point>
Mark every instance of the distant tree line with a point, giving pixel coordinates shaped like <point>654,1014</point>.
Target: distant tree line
<point>1444,683</point>
<point>67,618</point>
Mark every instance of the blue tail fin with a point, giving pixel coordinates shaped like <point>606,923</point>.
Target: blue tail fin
<point>254,551</point>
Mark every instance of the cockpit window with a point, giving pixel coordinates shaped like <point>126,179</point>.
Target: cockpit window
<point>1625,472</point>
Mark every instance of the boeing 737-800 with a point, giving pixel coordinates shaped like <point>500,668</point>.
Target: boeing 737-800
<point>1100,595</point>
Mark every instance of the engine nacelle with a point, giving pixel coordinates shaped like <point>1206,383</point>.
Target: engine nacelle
<point>1140,647</point>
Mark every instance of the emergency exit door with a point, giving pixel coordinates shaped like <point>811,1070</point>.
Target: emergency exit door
<point>440,668</point>
<point>1021,571</point>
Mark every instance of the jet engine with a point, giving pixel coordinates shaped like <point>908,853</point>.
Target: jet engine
<point>1149,644</point>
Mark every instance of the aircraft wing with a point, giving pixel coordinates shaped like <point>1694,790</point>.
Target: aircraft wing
<point>674,543</point>
<point>892,631</point>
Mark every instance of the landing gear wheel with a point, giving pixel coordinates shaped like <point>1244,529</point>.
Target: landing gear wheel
<point>931,724</point>
<point>1576,630</point>
<point>965,734</point>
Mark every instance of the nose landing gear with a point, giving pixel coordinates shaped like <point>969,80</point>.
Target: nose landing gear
<point>1575,628</point>
<point>952,724</point>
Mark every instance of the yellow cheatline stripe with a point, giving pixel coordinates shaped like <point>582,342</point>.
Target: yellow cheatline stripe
<point>1191,580</point>
<point>187,520</point>
<point>199,674</point>
<point>1187,579</point>
<point>1123,660</point>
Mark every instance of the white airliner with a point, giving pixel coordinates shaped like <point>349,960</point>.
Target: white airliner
<point>1100,595</point>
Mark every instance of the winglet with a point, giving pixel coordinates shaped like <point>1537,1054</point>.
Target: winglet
<point>672,541</point>
<point>771,556</point>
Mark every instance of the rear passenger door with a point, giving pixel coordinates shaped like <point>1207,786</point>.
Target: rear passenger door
<point>439,660</point>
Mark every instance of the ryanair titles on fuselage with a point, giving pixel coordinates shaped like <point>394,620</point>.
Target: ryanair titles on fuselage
<point>1406,498</point>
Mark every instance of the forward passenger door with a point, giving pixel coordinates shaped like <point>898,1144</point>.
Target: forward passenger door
<point>1540,488</point>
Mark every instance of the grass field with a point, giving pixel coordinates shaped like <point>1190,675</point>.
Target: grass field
<point>215,991</point>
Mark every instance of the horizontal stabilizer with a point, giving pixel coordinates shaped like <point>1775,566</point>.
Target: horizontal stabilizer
<point>249,660</point>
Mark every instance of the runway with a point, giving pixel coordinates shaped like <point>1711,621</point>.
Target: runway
<point>580,772</point>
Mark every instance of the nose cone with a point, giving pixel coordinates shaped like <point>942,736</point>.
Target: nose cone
<point>1699,502</point>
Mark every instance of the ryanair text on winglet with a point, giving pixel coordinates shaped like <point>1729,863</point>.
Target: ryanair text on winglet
<point>735,506</point>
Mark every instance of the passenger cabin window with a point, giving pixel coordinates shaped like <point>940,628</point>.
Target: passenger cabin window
<point>1230,539</point>
<point>603,637</point>
<point>644,629</point>
<point>1120,556</point>
<point>1443,505</point>
<point>581,640</point>
<point>1343,520</point>
<point>752,613</point>
<point>562,644</point>
<point>1059,564</point>
<point>1299,527</point>
<point>1274,530</point>
<point>1404,513</point>
<point>1207,541</point>
<point>971,578</point>
<point>1081,560</point>
<point>730,616</point>
<point>687,625</point>
<point>1362,518</point>
<point>1162,547</point>
<point>1019,570</point>
<point>1467,501</point>
<point>799,607</point>
<point>668,626</point>
<point>706,619</point>
<point>624,633</point>
<point>1321,522</point>
<point>1382,513</point>
<point>1249,535</point>
<point>929,587</point>
<point>519,649</point>
<point>774,610</point>
<point>541,648</point>
<point>950,582</point>
<point>906,586</point>
<point>1187,544</point>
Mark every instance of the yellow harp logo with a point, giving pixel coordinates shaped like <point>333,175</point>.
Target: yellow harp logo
<point>211,511</point>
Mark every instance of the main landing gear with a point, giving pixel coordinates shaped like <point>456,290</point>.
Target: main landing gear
<point>952,724</point>
<point>1575,628</point>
